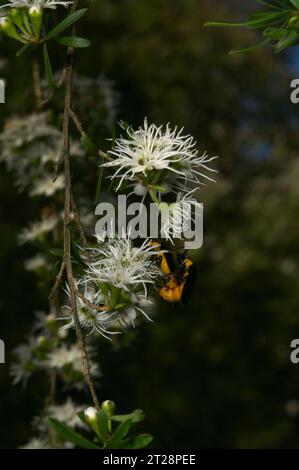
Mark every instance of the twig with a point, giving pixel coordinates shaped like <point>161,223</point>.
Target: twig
<point>83,133</point>
<point>77,123</point>
<point>58,280</point>
<point>41,103</point>
<point>67,217</point>
<point>57,165</point>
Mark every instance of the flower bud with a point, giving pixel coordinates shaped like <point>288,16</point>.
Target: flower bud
<point>140,189</point>
<point>109,407</point>
<point>36,16</point>
<point>90,415</point>
<point>7,26</point>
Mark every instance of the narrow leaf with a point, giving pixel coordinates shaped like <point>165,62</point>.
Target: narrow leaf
<point>120,432</point>
<point>295,3</point>
<point>135,417</point>
<point>66,432</point>
<point>68,21</point>
<point>137,442</point>
<point>23,49</point>
<point>248,49</point>
<point>103,426</point>
<point>73,41</point>
<point>48,68</point>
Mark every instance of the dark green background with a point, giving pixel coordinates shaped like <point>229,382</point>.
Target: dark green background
<point>217,373</point>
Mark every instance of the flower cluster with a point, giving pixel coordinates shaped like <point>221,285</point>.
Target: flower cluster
<point>47,351</point>
<point>158,158</point>
<point>162,163</point>
<point>24,19</point>
<point>52,4</point>
<point>114,287</point>
<point>30,146</point>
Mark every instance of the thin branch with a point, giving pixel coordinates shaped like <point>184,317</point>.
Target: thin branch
<point>77,123</point>
<point>83,133</point>
<point>67,217</point>
<point>43,102</point>
<point>58,281</point>
<point>57,165</point>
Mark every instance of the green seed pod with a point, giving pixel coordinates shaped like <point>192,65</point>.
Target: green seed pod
<point>8,28</point>
<point>109,407</point>
<point>36,16</point>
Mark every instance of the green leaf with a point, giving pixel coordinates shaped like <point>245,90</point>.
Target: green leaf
<point>295,3</point>
<point>135,417</point>
<point>73,41</point>
<point>22,49</point>
<point>288,41</point>
<point>136,442</point>
<point>270,5</point>
<point>66,432</point>
<point>81,415</point>
<point>48,68</point>
<point>103,426</point>
<point>120,432</point>
<point>248,49</point>
<point>275,33</point>
<point>68,21</point>
<point>257,20</point>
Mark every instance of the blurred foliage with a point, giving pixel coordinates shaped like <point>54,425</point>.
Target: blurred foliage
<point>217,373</point>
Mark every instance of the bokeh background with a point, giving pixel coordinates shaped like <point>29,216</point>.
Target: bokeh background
<point>216,373</point>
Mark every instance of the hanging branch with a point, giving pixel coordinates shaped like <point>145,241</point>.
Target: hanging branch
<point>68,218</point>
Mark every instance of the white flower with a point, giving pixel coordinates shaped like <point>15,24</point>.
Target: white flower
<point>47,187</point>
<point>36,3</point>
<point>121,264</point>
<point>179,216</point>
<point>67,412</point>
<point>36,262</point>
<point>113,289</point>
<point>153,149</point>
<point>89,318</point>
<point>38,229</point>
<point>107,320</point>
<point>25,363</point>
<point>36,443</point>
<point>62,356</point>
<point>69,356</point>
